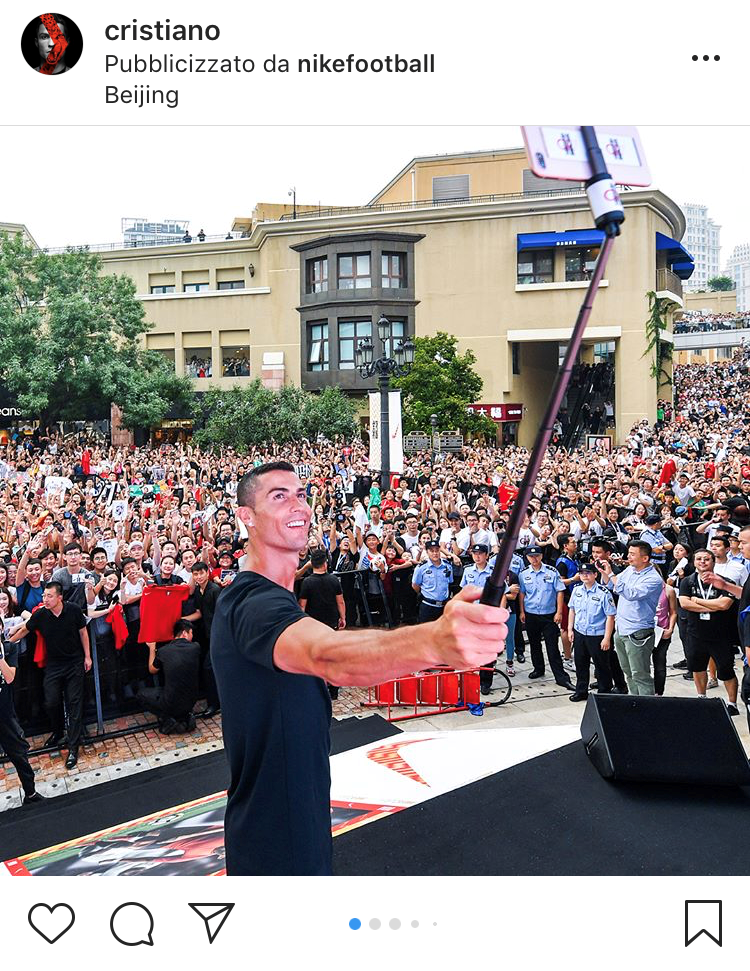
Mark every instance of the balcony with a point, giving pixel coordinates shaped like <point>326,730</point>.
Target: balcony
<point>669,285</point>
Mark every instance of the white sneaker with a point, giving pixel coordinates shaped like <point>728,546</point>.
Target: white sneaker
<point>510,670</point>
<point>712,683</point>
<point>569,664</point>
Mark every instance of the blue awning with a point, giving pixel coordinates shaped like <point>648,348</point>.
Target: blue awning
<point>581,237</point>
<point>681,262</point>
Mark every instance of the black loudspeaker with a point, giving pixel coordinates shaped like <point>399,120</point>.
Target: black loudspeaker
<point>646,739</point>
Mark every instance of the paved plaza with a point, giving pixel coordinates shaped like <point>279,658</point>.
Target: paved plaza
<point>532,703</point>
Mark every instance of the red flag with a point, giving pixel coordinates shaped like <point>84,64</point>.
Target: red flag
<point>119,628</point>
<point>40,651</point>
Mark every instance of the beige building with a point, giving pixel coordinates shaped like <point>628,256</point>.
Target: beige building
<point>471,244</point>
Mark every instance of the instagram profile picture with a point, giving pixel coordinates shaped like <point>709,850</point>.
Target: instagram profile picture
<point>52,44</point>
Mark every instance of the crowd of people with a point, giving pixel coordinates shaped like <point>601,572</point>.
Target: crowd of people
<point>619,549</point>
<point>698,321</point>
<point>198,367</point>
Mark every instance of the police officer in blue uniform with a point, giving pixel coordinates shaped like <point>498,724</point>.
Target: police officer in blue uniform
<point>516,563</point>
<point>432,580</point>
<point>658,542</point>
<point>515,646</point>
<point>591,624</point>
<point>477,575</point>
<point>541,608</point>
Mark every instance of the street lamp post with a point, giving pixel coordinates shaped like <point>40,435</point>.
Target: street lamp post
<point>433,422</point>
<point>385,368</point>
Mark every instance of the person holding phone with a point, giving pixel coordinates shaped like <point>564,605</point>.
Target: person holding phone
<point>272,662</point>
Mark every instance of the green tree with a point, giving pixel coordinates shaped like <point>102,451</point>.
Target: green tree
<point>70,340</point>
<point>720,283</point>
<point>442,382</point>
<point>330,413</point>
<point>254,415</point>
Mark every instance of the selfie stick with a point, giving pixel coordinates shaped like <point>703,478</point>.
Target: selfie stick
<point>608,215</point>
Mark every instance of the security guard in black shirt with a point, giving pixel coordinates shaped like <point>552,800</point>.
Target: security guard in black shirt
<point>11,736</point>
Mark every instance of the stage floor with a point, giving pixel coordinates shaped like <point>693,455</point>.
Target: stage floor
<point>493,801</point>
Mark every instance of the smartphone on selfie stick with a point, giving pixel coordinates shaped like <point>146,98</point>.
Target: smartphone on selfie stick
<point>549,152</point>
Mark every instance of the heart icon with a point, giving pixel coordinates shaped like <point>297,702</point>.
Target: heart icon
<point>51,923</point>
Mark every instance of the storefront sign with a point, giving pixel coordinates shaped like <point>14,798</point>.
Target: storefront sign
<point>498,412</point>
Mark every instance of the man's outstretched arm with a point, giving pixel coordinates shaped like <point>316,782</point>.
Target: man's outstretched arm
<point>468,635</point>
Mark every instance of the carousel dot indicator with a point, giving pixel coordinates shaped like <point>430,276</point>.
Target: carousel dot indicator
<point>394,923</point>
<point>415,923</point>
<point>355,923</point>
<point>375,924</point>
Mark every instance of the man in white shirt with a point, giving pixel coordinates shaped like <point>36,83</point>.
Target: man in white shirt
<point>682,489</point>
<point>411,537</point>
<point>471,534</point>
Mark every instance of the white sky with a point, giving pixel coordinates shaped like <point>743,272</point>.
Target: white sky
<point>209,175</point>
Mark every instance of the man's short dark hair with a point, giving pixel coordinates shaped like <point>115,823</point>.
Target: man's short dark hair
<point>34,561</point>
<point>62,23</point>
<point>54,585</point>
<point>318,558</point>
<point>128,559</point>
<point>720,539</point>
<point>72,547</point>
<point>199,566</point>
<point>602,544</point>
<point>642,545</point>
<point>98,549</point>
<point>182,627</point>
<point>249,481</point>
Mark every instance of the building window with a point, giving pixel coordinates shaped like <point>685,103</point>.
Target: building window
<point>394,270</point>
<point>231,285</point>
<point>515,354</point>
<point>235,361</point>
<point>354,272</point>
<point>167,353</point>
<point>198,362</point>
<point>316,275</point>
<point>195,287</point>
<point>163,289</point>
<point>317,342</point>
<point>604,353</point>
<point>398,333</point>
<point>350,333</point>
<point>580,263</point>
<point>536,266</point>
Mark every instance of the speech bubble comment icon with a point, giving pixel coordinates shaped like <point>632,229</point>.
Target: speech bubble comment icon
<point>132,924</point>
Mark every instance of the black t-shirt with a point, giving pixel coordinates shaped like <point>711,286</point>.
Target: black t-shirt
<point>11,659</point>
<point>716,625</point>
<point>61,634</point>
<point>180,662</point>
<point>206,603</point>
<point>276,735</point>
<point>320,591</point>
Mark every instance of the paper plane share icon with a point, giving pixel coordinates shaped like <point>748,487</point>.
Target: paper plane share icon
<point>213,916</point>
